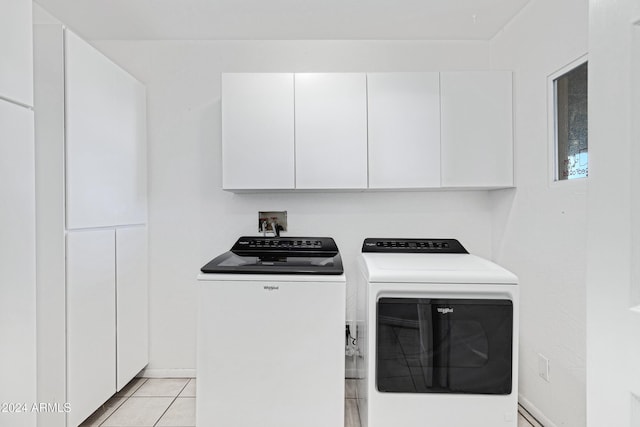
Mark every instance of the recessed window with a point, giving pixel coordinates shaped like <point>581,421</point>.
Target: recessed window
<point>570,121</point>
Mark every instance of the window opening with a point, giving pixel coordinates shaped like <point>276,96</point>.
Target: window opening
<point>571,124</point>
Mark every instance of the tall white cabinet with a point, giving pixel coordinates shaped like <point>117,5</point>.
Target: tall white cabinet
<point>91,217</point>
<point>17,215</point>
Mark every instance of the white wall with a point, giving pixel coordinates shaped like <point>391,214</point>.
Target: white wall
<point>539,230</point>
<point>191,219</point>
<point>613,332</point>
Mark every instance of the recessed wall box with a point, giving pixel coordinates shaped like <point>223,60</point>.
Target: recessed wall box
<point>272,222</point>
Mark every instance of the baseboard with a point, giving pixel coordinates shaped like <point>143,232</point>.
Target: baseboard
<point>535,412</point>
<point>168,373</point>
<point>191,373</point>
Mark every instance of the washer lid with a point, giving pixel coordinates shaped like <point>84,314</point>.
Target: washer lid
<point>290,255</point>
<point>432,268</point>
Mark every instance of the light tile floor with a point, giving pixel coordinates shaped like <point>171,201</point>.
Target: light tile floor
<point>170,402</point>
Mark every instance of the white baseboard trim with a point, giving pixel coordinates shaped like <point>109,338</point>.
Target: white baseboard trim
<point>168,373</point>
<point>535,412</point>
<point>191,373</point>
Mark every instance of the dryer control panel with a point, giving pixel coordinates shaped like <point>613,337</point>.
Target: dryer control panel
<point>427,246</point>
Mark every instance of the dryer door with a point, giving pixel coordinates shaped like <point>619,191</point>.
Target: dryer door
<point>444,345</point>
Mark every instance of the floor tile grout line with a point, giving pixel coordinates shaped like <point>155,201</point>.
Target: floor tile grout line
<point>358,412</point>
<point>521,410</point>
<point>124,399</point>
<point>526,420</point>
<point>185,386</point>
<point>165,411</point>
<point>174,399</point>
<point>529,422</point>
<point>138,388</point>
<point>528,415</point>
<point>164,395</point>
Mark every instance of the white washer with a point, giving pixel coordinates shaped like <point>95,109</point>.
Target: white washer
<point>271,335</point>
<point>438,336</point>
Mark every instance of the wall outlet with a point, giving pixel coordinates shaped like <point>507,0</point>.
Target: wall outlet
<point>543,367</point>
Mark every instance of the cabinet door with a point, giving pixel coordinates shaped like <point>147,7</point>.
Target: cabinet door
<point>404,130</point>
<point>91,321</point>
<point>16,51</point>
<point>131,134</point>
<point>132,302</point>
<point>17,262</point>
<point>257,131</point>
<point>331,130</point>
<point>477,135</point>
<point>105,144</point>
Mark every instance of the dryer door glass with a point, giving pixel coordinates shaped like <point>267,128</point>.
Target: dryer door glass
<point>444,346</point>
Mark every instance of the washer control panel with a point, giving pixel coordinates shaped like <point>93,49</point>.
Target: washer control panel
<point>280,243</point>
<point>248,245</point>
<point>430,246</point>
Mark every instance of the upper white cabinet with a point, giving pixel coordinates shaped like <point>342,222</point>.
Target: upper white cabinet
<point>367,131</point>
<point>257,131</point>
<point>91,321</point>
<point>105,145</point>
<point>477,133</point>
<point>132,314</point>
<point>16,51</point>
<point>404,130</point>
<point>331,130</point>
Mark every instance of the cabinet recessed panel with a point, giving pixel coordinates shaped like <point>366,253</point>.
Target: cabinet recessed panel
<point>91,321</point>
<point>404,130</point>
<point>331,130</point>
<point>477,135</point>
<point>105,140</point>
<point>257,131</point>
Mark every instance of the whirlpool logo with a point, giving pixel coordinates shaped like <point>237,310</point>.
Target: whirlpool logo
<point>271,288</point>
<point>445,310</point>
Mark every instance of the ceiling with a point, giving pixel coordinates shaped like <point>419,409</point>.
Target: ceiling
<point>285,19</point>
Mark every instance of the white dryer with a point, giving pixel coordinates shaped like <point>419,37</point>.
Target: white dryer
<point>438,336</point>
